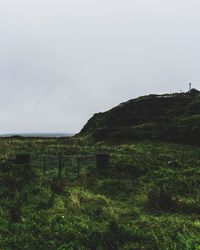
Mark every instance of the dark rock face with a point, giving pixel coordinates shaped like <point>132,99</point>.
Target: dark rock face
<point>173,117</point>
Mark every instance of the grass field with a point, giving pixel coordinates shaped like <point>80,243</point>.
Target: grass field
<point>148,198</point>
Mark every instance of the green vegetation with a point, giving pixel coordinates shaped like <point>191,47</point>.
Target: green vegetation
<point>169,117</point>
<point>148,198</point>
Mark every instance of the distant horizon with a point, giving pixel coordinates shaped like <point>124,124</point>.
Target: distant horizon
<point>35,134</point>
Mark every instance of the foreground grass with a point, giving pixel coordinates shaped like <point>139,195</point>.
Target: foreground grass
<point>124,209</point>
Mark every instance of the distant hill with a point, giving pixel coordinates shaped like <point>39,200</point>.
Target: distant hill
<point>45,135</point>
<point>170,117</point>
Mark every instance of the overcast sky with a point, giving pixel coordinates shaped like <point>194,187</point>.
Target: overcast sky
<point>61,61</point>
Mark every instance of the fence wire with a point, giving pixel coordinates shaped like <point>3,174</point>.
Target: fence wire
<point>69,166</point>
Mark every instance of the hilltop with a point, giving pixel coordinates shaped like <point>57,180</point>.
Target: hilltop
<point>168,117</point>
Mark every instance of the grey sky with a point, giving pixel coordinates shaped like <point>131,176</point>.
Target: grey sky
<point>63,60</point>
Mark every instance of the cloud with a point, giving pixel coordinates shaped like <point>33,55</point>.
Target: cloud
<point>61,61</point>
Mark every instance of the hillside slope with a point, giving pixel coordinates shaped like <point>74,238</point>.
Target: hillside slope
<point>171,117</point>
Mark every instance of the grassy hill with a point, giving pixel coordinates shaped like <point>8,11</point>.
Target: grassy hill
<point>168,117</point>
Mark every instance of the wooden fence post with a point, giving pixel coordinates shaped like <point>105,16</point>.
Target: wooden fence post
<point>102,162</point>
<point>59,167</point>
<point>44,165</point>
<point>78,167</point>
<point>22,159</point>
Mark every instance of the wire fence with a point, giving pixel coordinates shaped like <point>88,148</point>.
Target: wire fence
<point>62,166</point>
<point>69,166</point>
